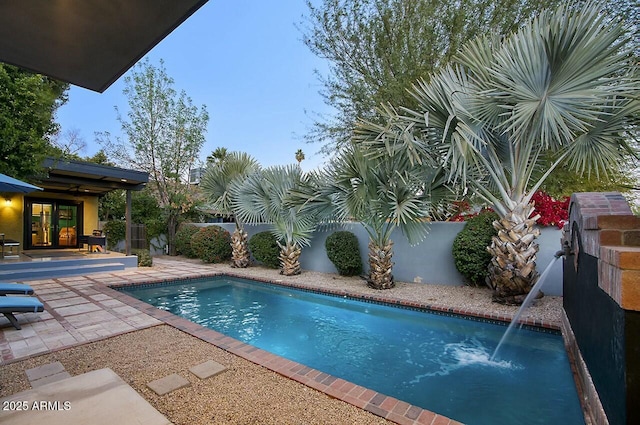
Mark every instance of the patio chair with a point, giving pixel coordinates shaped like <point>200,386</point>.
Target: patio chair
<point>10,305</point>
<point>15,289</point>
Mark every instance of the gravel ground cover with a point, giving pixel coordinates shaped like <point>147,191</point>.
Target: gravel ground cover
<point>243,394</point>
<point>246,393</point>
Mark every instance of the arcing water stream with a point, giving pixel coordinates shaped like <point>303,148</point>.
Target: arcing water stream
<point>527,302</point>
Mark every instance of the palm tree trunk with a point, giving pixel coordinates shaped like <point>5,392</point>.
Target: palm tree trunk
<point>380,265</point>
<point>240,252</point>
<point>290,260</point>
<point>512,271</point>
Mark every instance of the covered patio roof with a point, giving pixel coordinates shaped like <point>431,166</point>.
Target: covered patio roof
<point>86,178</point>
<point>89,43</point>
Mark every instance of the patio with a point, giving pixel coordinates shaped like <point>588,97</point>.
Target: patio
<point>80,309</point>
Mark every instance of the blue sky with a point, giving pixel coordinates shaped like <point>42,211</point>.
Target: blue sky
<point>245,60</point>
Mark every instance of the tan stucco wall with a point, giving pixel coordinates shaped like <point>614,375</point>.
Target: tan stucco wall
<point>91,220</point>
<point>12,215</point>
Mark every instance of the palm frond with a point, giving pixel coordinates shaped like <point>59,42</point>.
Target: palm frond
<point>604,145</point>
<point>552,76</point>
<point>217,179</point>
<point>266,196</point>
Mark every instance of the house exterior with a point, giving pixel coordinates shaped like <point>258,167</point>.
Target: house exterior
<point>67,208</point>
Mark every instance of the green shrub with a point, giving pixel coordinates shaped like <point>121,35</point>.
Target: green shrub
<point>470,248</point>
<point>265,249</point>
<point>144,257</point>
<point>212,244</point>
<point>183,240</point>
<point>344,252</point>
<point>116,231</point>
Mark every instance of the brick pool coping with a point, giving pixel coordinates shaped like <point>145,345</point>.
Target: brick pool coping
<point>434,308</point>
<point>377,403</point>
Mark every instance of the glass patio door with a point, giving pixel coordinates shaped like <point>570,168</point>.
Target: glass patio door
<point>54,225</point>
<point>67,226</point>
<point>41,226</point>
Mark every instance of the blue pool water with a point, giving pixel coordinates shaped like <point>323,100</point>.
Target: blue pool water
<point>437,362</point>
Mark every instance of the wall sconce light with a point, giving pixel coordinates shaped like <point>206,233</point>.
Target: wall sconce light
<point>7,200</point>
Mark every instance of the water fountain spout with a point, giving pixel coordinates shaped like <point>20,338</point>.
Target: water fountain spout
<point>529,299</point>
<point>565,251</point>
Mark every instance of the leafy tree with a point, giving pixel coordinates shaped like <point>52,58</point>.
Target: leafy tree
<point>216,183</point>
<point>112,205</point>
<point>164,134</point>
<point>70,143</point>
<point>564,181</point>
<point>263,197</point>
<point>100,157</point>
<point>28,103</point>
<point>378,48</point>
<point>146,210</point>
<point>299,156</point>
<point>563,86</point>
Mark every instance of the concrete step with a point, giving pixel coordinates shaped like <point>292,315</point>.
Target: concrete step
<point>59,271</point>
<point>30,264</point>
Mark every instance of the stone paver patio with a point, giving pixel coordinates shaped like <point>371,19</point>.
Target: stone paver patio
<point>81,309</point>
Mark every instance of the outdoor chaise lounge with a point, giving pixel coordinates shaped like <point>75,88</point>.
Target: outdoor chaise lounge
<point>15,289</point>
<point>10,305</point>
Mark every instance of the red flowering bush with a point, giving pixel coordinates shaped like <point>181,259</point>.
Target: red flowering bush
<point>552,212</point>
<point>462,211</point>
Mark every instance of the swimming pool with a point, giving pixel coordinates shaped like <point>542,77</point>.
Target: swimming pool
<point>437,362</point>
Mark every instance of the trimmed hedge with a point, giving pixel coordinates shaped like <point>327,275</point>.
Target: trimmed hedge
<point>344,252</point>
<point>264,248</point>
<point>212,244</point>
<point>144,257</point>
<point>183,240</point>
<point>470,248</point>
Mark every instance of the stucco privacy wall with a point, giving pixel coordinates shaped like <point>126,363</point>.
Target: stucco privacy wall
<point>430,261</point>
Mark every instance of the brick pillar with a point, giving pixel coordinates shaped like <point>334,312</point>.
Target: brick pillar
<point>602,303</point>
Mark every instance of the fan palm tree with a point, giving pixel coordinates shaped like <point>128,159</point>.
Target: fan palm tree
<point>216,183</point>
<point>218,156</point>
<point>381,190</point>
<point>563,85</point>
<point>262,197</point>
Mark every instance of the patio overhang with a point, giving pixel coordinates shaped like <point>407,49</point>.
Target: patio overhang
<point>86,178</point>
<point>89,43</point>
